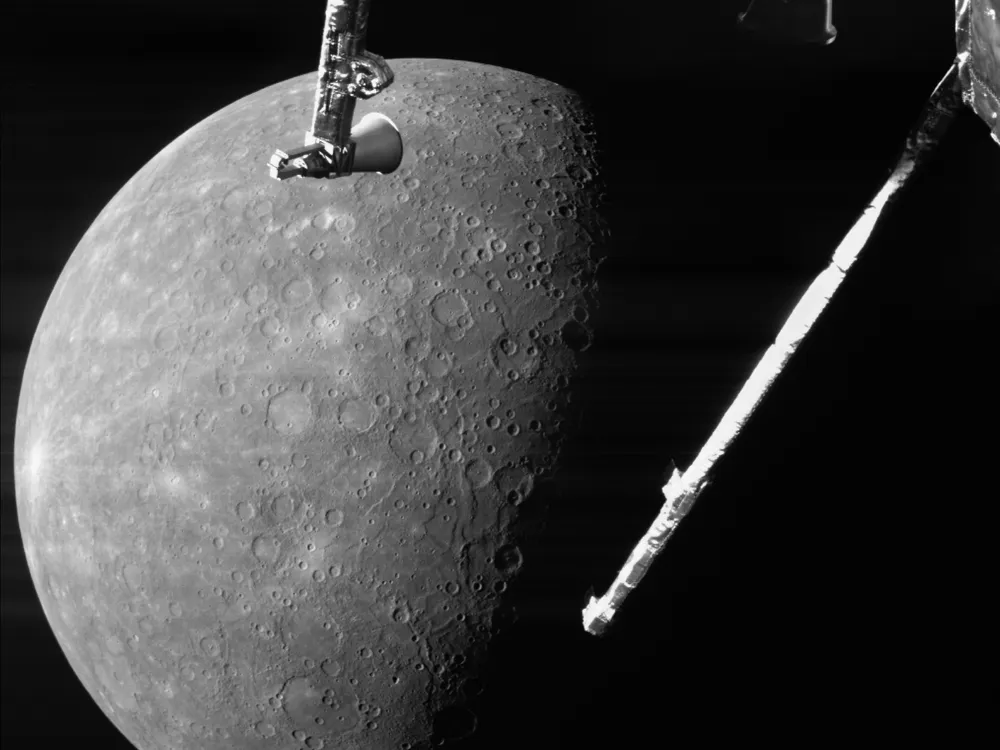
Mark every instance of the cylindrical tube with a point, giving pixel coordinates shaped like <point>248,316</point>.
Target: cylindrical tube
<point>344,36</point>
<point>682,490</point>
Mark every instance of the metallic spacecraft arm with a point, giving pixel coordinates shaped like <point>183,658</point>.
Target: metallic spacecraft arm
<point>683,489</point>
<point>973,78</point>
<point>347,72</point>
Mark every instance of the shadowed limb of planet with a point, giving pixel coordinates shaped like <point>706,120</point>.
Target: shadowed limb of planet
<point>279,445</point>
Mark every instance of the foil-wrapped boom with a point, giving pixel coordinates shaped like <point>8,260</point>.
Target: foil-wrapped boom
<point>972,79</point>
<point>683,488</point>
<point>347,72</point>
<point>977,35</point>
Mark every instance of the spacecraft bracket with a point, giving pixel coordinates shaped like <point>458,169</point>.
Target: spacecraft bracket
<point>362,75</point>
<point>317,159</point>
<point>347,72</point>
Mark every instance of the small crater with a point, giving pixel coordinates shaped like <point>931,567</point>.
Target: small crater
<point>516,483</point>
<point>357,415</point>
<point>575,336</point>
<point>235,201</point>
<point>417,347</point>
<point>376,326</point>
<point>265,548</point>
<point>270,327</point>
<point>290,413</point>
<point>296,292</point>
<point>330,300</point>
<point>448,306</point>
<point>331,667</point>
<point>329,218</point>
<point>439,364</point>
<point>166,339</point>
<point>245,510</point>
<point>510,131</point>
<point>283,506</point>
<point>479,472</point>
<point>508,559</point>
<point>256,294</point>
<point>399,285</point>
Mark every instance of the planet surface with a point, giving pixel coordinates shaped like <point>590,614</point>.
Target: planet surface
<point>275,439</point>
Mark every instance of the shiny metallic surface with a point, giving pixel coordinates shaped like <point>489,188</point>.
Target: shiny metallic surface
<point>977,32</point>
<point>347,72</point>
<point>683,489</point>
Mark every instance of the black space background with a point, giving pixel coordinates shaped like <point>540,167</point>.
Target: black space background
<point>832,584</point>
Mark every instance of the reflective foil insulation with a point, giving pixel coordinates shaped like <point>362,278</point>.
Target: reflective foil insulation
<point>977,30</point>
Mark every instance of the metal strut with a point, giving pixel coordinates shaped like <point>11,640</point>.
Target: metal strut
<point>347,72</point>
<point>683,488</point>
